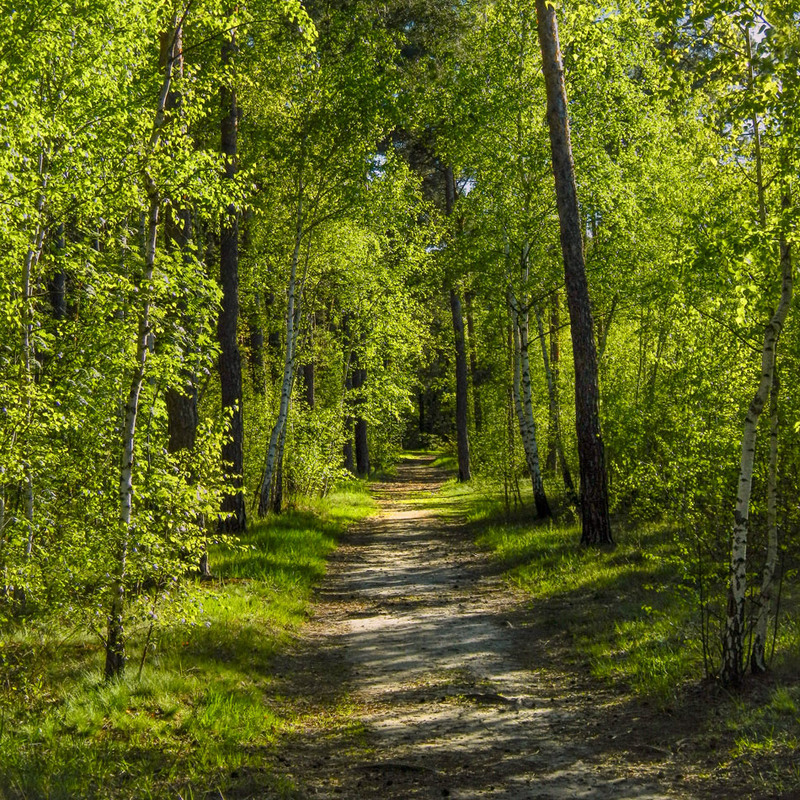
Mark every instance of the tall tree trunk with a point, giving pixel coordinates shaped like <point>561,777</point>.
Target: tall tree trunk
<point>308,365</point>
<point>115,638</point>
<point>347,391</point>
<point>524,406</point>
<point>555,412</point>
<point>181,401</point>
<point>473,364</point>
<point>733,655</point>
<point>360,428</point>
<point>758,658</point>
<point>57,285</point>
<point>347,447</point>
<point>230,367</point>
<point>595,520</point>
<point>292,324</point>
<point>277,483</point>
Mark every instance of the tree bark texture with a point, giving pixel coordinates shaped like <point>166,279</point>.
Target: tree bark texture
<point>181,402</point>
<point>57,285</point>
<point>595,520</point>
<point>552,369</point>
<point>347,447</point>
<point>733,645</point>
<point>230,366</point>
<point>277,483</point>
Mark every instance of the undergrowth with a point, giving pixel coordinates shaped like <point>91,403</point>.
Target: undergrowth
<point>205,704</point>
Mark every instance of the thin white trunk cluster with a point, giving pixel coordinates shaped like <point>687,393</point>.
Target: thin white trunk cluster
<point>293,310</point>
<point>733,655</point>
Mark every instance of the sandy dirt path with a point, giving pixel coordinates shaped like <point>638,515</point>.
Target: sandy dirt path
<point>429,672</point>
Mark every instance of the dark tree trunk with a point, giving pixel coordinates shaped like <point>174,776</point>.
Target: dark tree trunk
<point>307,368</point>
<point>595,521</point>
<point>360,431</point>
<point>349,459</point>
<point>181,402</point>
<point>308,382</point>
<point>230,368</point>
<point>473,364</point>
<point>57,285</point>
<point>462,433</point>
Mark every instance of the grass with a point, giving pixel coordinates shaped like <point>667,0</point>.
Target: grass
<point>207,705</point>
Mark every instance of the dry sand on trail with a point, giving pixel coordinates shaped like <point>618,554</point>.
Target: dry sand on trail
<point>432,652</point>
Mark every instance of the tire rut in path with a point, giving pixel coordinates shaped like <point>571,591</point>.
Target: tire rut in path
<point>419,631</point>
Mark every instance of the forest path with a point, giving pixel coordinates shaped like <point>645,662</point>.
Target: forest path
<point>421,676</point>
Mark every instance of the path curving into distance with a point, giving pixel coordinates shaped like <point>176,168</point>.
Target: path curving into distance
<point>424,676</point>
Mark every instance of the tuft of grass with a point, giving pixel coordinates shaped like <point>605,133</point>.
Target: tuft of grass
<point>206,707</point>
<point>624,610</point>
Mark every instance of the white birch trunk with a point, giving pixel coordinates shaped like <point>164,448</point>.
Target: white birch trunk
<point>522,403</point>
<point>733,642</point>
<point>758,661</point>
<point>115,640</point>
<point>532,449</point>
<point>294,301</point>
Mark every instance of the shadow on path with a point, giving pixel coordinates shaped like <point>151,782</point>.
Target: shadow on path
<point>425,665</point>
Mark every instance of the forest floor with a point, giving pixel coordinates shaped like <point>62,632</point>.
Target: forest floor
<point>424,674</point>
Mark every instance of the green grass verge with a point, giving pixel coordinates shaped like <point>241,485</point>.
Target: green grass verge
<point>206,705</point>
<point>629,616</point>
